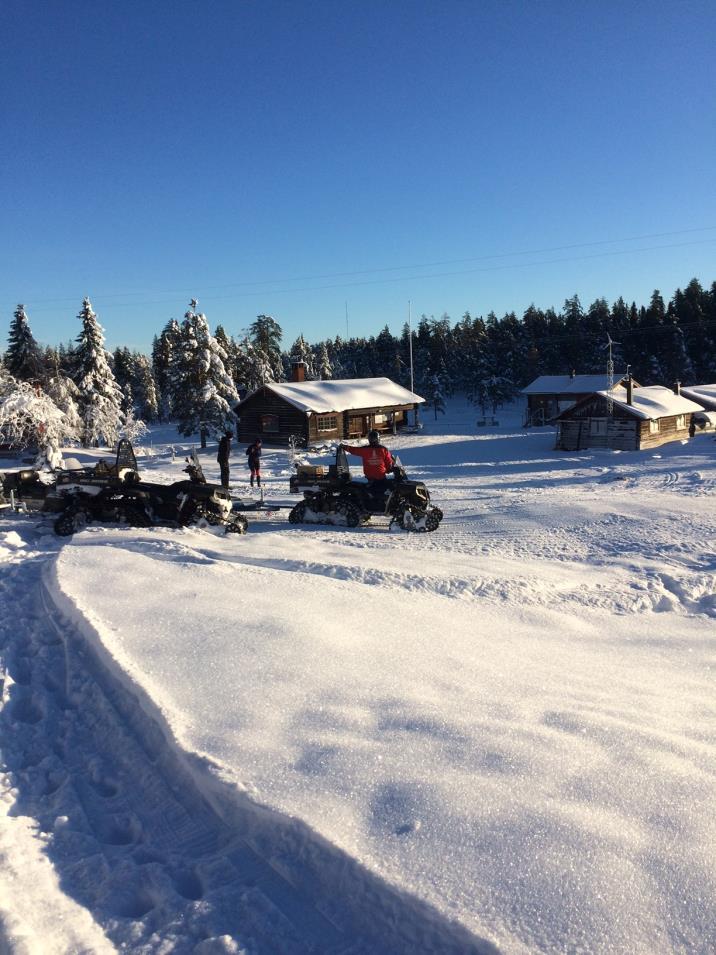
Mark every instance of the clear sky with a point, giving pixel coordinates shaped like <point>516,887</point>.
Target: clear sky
<point>290,157</point>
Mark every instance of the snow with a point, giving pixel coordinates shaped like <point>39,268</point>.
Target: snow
<point>497,737</point>
<point>568,384</point>
<point>705,395</point>
<point>343,395</point>
<point>652,402</point>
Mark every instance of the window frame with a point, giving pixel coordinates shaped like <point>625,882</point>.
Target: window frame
<point>266,420</point>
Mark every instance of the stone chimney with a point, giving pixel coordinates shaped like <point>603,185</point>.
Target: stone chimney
<point>298,370</point>
<point>677,387</point>
<point>629,389</point>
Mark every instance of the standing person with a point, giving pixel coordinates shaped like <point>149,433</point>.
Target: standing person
<point>254,461</point>
<point>223,457</point>
<point>377,462</point>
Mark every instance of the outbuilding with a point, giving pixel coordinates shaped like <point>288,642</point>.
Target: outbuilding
<point>314,411</point>
<point>549,395</point>
<point>705,395</point>
<point>639,418</point>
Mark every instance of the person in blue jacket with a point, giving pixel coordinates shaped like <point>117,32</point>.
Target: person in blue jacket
<point>253,453</point>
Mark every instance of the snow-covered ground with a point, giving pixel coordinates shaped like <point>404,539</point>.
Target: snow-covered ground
<point>497,737</point>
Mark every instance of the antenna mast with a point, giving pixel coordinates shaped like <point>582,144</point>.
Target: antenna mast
<point>410,345</point>
<point>610,374</point>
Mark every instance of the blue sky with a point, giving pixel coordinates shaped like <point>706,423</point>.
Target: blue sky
<point>288,158</point>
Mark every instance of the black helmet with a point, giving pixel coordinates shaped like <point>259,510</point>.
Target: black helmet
<point>373,437</point>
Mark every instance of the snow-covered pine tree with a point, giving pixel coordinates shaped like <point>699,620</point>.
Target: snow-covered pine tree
<point>436,398</point>
<point>145,392</point>
<point>265,334</point>
<point>100,397</point>
<point>205,395</point>
<point>23,358</point>
<point>163,353</point>
<point>301,351</point>
<point>323,363</point>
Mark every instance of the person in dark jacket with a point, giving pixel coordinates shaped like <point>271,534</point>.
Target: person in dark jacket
<point>223,457</point>
<point>253,453</point>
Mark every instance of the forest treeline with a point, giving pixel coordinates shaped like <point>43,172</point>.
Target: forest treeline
<point>195,377</point>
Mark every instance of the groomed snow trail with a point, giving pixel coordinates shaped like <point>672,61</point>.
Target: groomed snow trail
<point>128,842</point>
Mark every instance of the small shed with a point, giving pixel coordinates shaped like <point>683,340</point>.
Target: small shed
<point>324,410</point>
<point>549,395</point>
<point>640,418</point>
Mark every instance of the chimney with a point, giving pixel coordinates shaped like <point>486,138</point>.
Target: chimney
<point>298,371</point>
<point>629,389</point>
<point>677,387</point>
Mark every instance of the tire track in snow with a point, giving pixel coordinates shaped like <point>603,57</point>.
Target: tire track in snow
<point>147,839</point>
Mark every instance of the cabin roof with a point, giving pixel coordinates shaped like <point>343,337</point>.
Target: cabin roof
<point>340,395</point>
<point>705,394</point>
<point>652,402</point>
<point>568,384</point>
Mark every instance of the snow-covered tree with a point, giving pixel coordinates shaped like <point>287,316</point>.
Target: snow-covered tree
<point>100,397</point>
<point>30,418</point>
<point>301,351</point>
<point>323,363</point>
<point>205,395</point>
<point>265,335</point>
<point>163,356</point>
<point>436,398</point>
<point>145,392</point>
<point>23,358</point>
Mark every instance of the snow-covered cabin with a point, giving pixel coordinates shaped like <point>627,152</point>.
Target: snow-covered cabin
<point>549,395</point>
<point>324,410</point>
<point>640,418</point>
<point>705,395</point>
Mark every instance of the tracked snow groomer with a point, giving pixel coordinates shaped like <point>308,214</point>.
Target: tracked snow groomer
<point>330,496</point>
<point>116,494</point>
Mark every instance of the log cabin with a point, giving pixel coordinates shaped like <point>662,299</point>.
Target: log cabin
<point>640,418</point>
<point>549,395</point>
<point>318,411</point>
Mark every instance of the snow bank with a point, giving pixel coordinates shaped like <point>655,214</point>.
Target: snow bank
<point>546,780</point>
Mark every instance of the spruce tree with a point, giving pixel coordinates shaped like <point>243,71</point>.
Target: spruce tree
<point>99,397</point>
<point>23,357</point>
<point>204,393</point>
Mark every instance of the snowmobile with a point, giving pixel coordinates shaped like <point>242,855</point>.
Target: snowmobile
<point>330,496</point>
<point>115,493</point>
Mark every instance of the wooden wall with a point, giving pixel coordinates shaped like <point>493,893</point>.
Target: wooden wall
<point>624,431</point>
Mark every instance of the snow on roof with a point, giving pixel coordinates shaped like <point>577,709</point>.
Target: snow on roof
<point>704,394</point>
<point>568,384</point>
<point>654,401</point>
<point>342,395</point>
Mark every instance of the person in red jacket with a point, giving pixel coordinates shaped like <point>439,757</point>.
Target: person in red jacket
<point>377,462</point>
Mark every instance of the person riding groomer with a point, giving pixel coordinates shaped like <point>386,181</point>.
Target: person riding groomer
<point>377,461</point>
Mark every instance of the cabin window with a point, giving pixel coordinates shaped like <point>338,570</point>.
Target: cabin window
<point>269,423</point>
<point>598,426</point>
<point>380,418</point>
<point>327,422</point>
<point>654,426</point>
<point>680,422</point>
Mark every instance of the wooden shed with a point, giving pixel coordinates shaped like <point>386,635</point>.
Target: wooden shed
<point>549,395</point>
<point>324,410</point>
<point>640,418</point>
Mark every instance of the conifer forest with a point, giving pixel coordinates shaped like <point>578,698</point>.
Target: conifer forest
<point>80,392</point>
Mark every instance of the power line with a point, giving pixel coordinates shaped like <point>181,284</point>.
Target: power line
<point>396,268</point>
